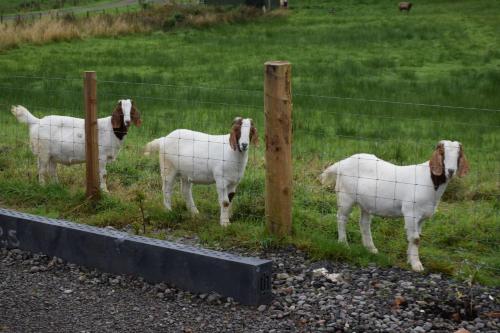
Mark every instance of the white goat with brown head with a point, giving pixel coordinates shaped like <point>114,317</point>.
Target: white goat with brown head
<point>384,189</point>
<point>200,158</point>
<point>61,139</point>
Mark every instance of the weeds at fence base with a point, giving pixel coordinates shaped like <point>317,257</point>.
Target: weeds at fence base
<point>119,210</point>
<point>441,266</point>
<point>155,18</point>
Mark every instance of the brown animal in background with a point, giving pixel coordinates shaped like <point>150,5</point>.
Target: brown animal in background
<point>405,6</point>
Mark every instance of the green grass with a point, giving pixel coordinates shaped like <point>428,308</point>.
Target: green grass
<point>20,6</point>
<point>444,52</point>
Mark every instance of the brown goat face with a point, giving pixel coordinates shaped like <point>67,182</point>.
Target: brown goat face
<point>243,132</point>
<point>129,113</point>
<point>124,114</point>
<point>447,160</point>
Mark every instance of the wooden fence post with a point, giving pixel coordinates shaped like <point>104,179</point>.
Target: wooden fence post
<point>91,139</point>
<point>278,112</point>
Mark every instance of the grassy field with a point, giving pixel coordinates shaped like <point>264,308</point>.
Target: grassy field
<point>444,52</point>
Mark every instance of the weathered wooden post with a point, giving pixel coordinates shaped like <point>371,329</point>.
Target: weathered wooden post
<point>91,139</point>
<point>278,111</point>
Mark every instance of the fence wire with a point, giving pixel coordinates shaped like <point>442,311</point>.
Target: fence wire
<point>326,129</point>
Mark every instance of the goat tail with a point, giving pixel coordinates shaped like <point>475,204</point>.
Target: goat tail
<point>23,115</point>
<point>152,147</point>
<point>329,176</point>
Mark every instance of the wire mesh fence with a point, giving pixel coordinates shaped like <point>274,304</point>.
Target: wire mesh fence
<point>163,109</point>
<point>326,129</point>
<point>407,134</point>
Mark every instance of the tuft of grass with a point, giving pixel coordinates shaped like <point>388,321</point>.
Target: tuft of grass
<point>49,29</point>
<point>68,27</point>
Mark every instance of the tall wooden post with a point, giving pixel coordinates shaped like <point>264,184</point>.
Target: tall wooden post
<point>91,139</point>
<point>278,110</point>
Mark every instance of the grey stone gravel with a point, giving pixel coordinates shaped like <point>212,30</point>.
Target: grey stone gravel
<point>42,294</point>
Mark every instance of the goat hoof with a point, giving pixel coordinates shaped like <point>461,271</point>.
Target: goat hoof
<point>373,250</point>
<point>224,224</point>
<point>195,212</point>
<point>417,266</point>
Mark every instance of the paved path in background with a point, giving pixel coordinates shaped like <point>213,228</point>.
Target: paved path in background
<point>78,10</point>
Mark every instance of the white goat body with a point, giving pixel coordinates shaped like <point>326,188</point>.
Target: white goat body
<point>384,189</point>
<point>200,158</point>
<point>61,139</point>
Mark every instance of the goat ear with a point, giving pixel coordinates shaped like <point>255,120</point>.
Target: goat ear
<point>116,117</point>
<point>436,161</point>
<point>463,164</point>
<point>254,137</point>
<point>233,142</point>
<point>235,133</point>
<point>136,116</point>
<point>233,137</point>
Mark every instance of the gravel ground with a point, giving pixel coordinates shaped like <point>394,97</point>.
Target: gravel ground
<point>42,294</point>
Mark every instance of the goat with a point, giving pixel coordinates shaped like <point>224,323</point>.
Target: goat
<point>61,139</point>
<point>405,6</point>
<point>200,158</point>
<point>384,189</point>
